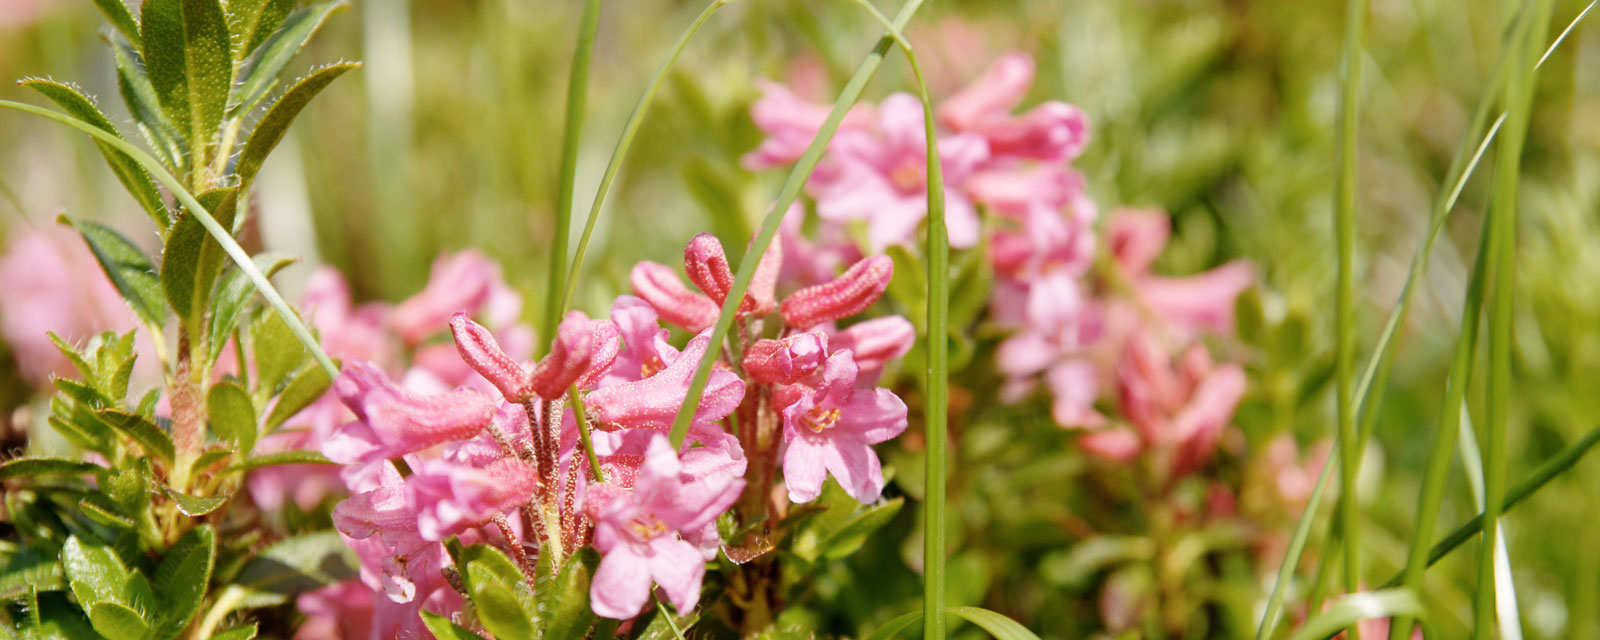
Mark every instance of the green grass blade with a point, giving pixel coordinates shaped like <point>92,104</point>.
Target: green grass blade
<point>769,226</point>
<point>1344,295</point>
<point>1349,610</point>
<point>571,133</point>
<point>234,251</point>
<point>1510,621</point>
<point>999,626</point>
<point>619,154</point>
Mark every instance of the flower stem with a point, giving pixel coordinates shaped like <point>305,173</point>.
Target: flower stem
<point>1344,317</point>
<point>582,418</point>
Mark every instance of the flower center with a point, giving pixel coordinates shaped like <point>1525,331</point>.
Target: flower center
<point>818,419</point>
<point>910,176</point>
<point>650,367</point>
<point>648,526</point>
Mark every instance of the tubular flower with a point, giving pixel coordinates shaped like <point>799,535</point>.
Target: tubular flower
<point>480,351</point>
<point>461,281</point>
<point>788,360</point>
<point>849,294</point>
<point>830,429</point>
<point>391,421</point>
<point>641,532</point>
<point>652,402</point>
<point>449,498</point>
<point>660,286</point>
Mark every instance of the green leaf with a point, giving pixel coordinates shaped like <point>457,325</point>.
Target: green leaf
<point>128,268</point>
<point>294,566</point>
<point>281,457</point>
<point>443,629</point>
<point>195,506</point>
<point>117,621</point>
<point>186,50</point>
<point>895,626</point>
<point>210,458</point>
<point>237,633</point>
<point>906,285</point>
<point>260,73</point>
<point>95,572</point>
<point>251,21</point>
<point>192,258</point>
<point>564,607</point>
<point>73,355</point>
<point>269,131</point>
<point>100,508</point>
<point>847,539</point>
<point>140,97</point>
<point>183,576</point>
<point>138,181</point>
<point>58,620</point>
<point>502,611</point>
<point>233,295</point>
<point>304,389</point>
<point>999,626</point>
<point>1356,607</point>
<point>81,392</point>
<point>233,417</point>
<point>32,467</point>
<point>277,352</point>
<point>141,430</point>
<point>29,569</point>
<point>497,588</point>
<point>663,624</point>
<point>117,13</point>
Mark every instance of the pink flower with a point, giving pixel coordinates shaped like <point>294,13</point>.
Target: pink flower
<point>449,498</point>
<point>641,532</point>
<point>53,283</point>
<point>464,281</point>
<point>652,402</point>
<point>659,285</point>
<point>874,343</point>
<point>645,350</point>
<point>1192,304</point>
<point>1182,407</point>
<point>583,351</point>
<point>849,294</point>
<point>391,421</point>
<point>385,515</point>
<point>806,262</point>
<point>790,123</point>
<point>788,360</point>
<point>830,429</point>
<point>1050,132</point>
<point>882,179</point>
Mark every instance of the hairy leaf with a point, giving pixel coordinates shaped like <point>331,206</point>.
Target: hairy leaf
<point>247,632</point>
<point>233,416</point>
<point>443,629</point>
<point>140,96</point>
<point>294,566</point>
<point>311,383</point>
<point>565,607</point>
<point>128,268</point>
<point>138,181</point>
<point>192,258</point>
<point>251,21</point>
<point>117,13</point>
<point>142,431</point>
<point>95,572</point>
<point>260,72</point>
<point>281,457</point>
<point>186,50</point>
<point>28,568</point>
<point>233,295</point>
<point>117,621</point>
<point>269,131</point>
<point>181,580</point>
<point>195,506</point>
<point>31,467</point>
<point>498,590</point>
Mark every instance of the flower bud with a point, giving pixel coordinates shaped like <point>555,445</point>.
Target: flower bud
<point>480,351</point>
<point>707,267</point>
<point>876,341</point>
<point>660,286</point>
<point>605,342</point>
<point>1050,132</point>
<point>850,293</point>
<point>568,360</point>
<point>991,96</point>
<point>761,298</point>
<point>788,360</point>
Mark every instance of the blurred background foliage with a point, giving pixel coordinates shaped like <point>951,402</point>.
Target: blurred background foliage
<point>1218,111</point>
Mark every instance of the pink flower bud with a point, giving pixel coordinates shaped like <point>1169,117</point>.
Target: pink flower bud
<point>480,351</point>
<point>659,286</point>
<point>876,342</point>
<point>568,360</point>
<point>605,342</point>
<point>458,282</point>
<point>991,96</point>
<point>707,267</point>
<point>847,295</point>
<point>788,360</point>
<point>1050,132</point>
<point>761,299</point>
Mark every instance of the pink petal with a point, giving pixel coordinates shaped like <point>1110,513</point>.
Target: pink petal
<point>621,584</point>
<point>856,468</point>
<point>804,470</point>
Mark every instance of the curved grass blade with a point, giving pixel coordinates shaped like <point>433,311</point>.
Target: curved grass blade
<point>620,153</point>
<point>895,626</point>
<point>999,626</point>
<point>132,176</point>
<point>555,301</point>
<point>1349,610</point>
<point>237,253</point>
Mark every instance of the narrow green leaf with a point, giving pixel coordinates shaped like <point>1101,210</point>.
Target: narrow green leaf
<point>571,131</point>
<point>29,569</point>
<point>73,355</point>
<point>140,97</point>
<point>260,72</point>
<point>895,626</point>
<point>282,457</point>
<point>276,353</point>
<point>95,573</point>
<point>85,394</point>
<point>239,633</point>
<point>233,417</point>
<point>999,626</point>
<point>294,566</point>
<point>100,508</point>
<point>849,538</point>
<point>501,611</point>
<point>118,15</point>
<point>192,258</point>
<point>129,269</point>
<point>138,181</point>
<point>311,383</point>
<point>1356,607</point>
<point>565,609</point>
<point>142,431</point>
<point>210,458</point>
<point>195,506</point>
<point>183,576</point>
<point>117,621</point>
<point>233,296</point>
<point>186,51</point>
<point>1345,202</point>
<point>251,21</point>
<point>280,115</point>
<point>443,629</point>
<point>33,467</point>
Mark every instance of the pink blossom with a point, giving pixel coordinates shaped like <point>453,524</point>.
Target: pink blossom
<point>478,349</point>
<point>463,281</point>
<point>1181,407</point>
<point>645,350</point>
<point>1050,132</point>
<point>448,497</point>
<point>391,421</point>
<point>849,294</point>
<point>53,283</point>
<point>1017,191</point>
<point>788,360</point>
<point>659,285</point>
<point>830,428</point>
<point>653,402</point>
<point>1202,302</point>
<point>991,96</point>
<point>583,350</point>
<point>873,343</point>
<point>384,515</point>
<point>641,532</point>
<point>790,123</point>
<point>881,178</point>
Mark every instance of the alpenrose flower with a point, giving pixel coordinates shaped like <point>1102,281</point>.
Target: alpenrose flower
<point>54,284</point>
<point>641,531</point>
<point>830,425</point>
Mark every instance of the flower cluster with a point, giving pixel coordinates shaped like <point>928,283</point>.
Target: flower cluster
<point>489,437</point>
